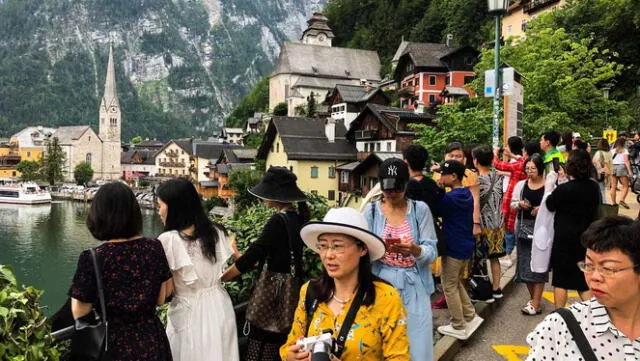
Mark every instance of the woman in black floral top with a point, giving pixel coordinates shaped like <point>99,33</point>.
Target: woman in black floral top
<point>135,274</point>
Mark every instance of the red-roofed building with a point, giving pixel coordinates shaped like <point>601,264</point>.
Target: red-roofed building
<point>430,74</point>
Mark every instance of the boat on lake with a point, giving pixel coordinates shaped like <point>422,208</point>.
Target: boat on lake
<point>23,193</point>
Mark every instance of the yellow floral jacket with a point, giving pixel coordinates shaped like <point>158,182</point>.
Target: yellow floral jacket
<point>379,331</point>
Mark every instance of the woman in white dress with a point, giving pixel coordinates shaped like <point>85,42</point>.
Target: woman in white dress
<point>201,321</point>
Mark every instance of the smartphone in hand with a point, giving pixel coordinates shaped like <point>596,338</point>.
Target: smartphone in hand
<point>392,241</point>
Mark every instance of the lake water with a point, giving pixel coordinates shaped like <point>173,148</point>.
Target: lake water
<point>42,244</point>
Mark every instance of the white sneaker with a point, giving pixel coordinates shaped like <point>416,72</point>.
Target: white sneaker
<point>473,325</point>
<point>448,330</point>
<point>506,262</point>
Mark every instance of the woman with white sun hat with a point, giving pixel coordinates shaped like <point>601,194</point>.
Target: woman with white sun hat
<point>347,286</point>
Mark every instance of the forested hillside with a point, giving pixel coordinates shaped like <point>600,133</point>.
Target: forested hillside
<point>181,64</point>
<point>381,25</point>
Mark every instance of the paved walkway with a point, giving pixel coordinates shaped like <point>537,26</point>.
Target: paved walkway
<point>502,335</point>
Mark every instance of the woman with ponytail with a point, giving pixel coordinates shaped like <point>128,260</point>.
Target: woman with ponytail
<point>278,254</point>
<point>201,322</point>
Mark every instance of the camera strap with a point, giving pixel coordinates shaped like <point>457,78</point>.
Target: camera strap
<point>311,304</point>
<point>348,321</point>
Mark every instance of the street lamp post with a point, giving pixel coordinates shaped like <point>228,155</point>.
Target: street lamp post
<point>498,8</point>
<point>605,93</point>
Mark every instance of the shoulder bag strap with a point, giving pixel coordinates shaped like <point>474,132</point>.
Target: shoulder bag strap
<point>310,305</point>
<point>415,216</point>
<point>577,334</point>
<point>96,269</point>
<point>348,321</point>
<point>373,215</point>
<point>290,236</point>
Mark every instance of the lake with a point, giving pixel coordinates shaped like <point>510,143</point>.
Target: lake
<point>42,244</point>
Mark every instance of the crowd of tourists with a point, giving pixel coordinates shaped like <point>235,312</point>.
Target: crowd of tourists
<point>454,229</point>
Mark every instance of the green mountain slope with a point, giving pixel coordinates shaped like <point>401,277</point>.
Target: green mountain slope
<point>181,64</point>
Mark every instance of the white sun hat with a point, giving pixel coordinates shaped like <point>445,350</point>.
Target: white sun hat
<point>344,221</point>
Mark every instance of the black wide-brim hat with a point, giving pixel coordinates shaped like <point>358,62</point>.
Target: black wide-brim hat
<point>279,184</point>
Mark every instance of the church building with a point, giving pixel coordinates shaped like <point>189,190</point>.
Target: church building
<point>314,66</point>
<point>102,150</point>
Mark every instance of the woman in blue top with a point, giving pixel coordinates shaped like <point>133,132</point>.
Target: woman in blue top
<point>407,229</point>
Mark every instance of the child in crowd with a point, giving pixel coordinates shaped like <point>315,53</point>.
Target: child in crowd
<point>456,209</point>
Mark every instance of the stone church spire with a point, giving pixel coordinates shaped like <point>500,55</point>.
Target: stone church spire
<point>110,98</point>
<point>110,124</point>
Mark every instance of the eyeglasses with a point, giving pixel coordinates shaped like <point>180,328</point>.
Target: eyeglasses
<point>531,169</point>
<point>336,248</point>
<point>588,268</point>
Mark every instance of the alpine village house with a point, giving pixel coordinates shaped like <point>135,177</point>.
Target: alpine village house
<point>338,156</point>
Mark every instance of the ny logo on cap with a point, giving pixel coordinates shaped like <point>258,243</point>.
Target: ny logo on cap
<point>392,170</point>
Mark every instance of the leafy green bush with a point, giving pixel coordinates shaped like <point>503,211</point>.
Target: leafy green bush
<point>247,226</point>
<point>214,202</point>
<point>24,330</point>
<point>239,181</point>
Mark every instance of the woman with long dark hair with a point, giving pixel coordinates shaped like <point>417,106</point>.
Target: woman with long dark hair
<point>135,277</point>
<point>379,329</point>
<point>201,321</point>
<point>278,253</point>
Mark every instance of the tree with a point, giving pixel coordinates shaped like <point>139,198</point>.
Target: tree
<point>83,173</point>
<point>28,170</point>
<point>311,105</point>
<point>239,181</point>
<point>52,162</point>
<point>136,139</point>
<point>281,109</point>
<point>256,101</point>
<point>301,110</point>
<point>214,202</point>
<point>253,140</point>
<point>563,79</point>
<point>453,124</point>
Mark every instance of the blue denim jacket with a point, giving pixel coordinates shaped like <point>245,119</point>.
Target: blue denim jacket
<point>425,236</point>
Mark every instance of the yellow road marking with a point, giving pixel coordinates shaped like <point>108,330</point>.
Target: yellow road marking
<point>549,296</point>
<point>512,352</point>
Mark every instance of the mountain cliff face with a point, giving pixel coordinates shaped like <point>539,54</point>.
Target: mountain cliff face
<point>181,64</point>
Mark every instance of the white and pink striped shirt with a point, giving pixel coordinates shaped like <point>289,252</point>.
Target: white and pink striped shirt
<point>402,232</point>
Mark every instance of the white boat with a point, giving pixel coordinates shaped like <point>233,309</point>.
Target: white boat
<point>23,193</point>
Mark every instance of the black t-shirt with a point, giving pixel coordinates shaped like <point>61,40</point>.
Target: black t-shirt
<point>273,246</point>
<point>425,190</point>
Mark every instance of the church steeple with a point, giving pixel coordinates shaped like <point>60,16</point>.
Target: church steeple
<point>110,91</point>
<point>110,124</point>
<point>110,116</point>
<point>318,32</point>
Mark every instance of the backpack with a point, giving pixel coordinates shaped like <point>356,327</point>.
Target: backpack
<point>480,287</point>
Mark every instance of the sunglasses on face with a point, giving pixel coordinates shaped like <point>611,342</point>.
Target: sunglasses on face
<point>392,185</point>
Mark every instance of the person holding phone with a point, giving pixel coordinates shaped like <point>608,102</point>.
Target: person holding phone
<point>527,197</point>
<point>407,228</point>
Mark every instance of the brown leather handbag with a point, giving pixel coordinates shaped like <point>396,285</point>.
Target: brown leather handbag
<point>275,295</point>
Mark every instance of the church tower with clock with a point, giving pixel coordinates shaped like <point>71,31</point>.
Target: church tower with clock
<point>318,32</point>
<point>110,125</point>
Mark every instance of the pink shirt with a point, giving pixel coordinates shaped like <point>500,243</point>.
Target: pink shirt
<point>402,232</point>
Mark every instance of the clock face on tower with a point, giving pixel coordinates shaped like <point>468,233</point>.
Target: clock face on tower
<point>113,109</point>
<point>321,37</point>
